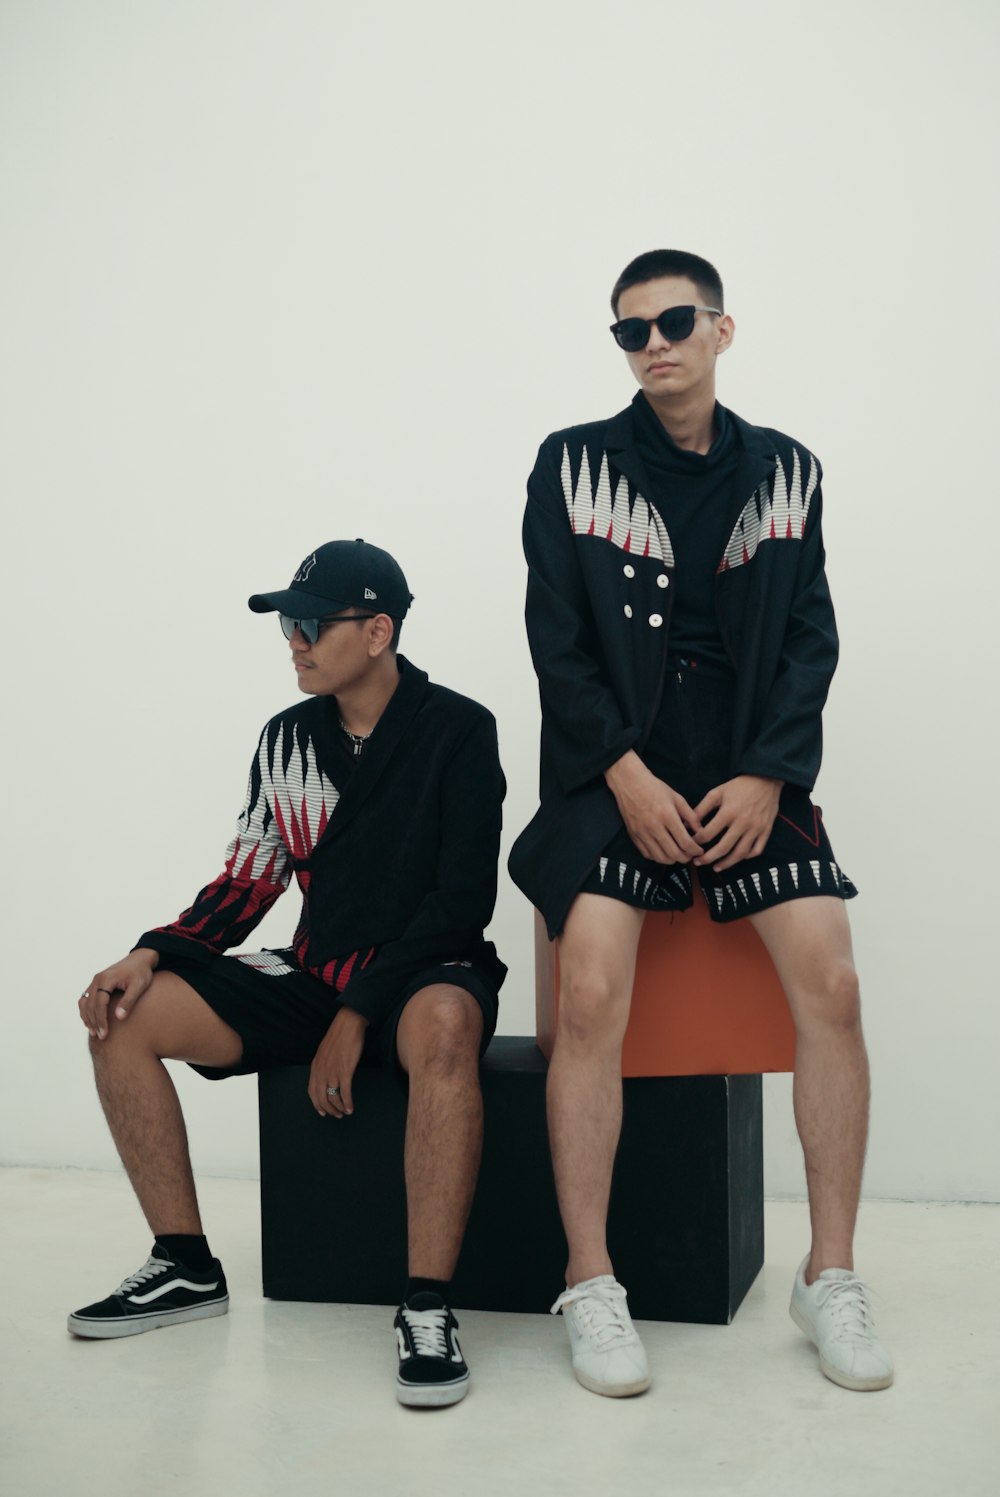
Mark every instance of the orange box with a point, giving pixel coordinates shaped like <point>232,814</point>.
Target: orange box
<point>706,999</point>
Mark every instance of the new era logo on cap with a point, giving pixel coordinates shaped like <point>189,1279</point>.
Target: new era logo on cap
<point>369,594</point>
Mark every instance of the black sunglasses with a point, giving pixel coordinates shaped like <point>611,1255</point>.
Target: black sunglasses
<point>676,324</point>
<point>313,628</point>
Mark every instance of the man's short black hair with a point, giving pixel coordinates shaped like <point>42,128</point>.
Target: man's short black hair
<point>656,263</point>
<point>397,627</point>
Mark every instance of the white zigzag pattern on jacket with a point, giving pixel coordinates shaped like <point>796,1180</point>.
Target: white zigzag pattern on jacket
<point>639,530</point>
<point>776,516</point>
<point>252,845</point>
<point>301,798</point>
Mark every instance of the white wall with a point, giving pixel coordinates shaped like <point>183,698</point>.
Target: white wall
<point>279,272</point>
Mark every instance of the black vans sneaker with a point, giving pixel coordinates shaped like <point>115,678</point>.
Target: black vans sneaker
<point>161,1292</point>
<point>432,1370</point>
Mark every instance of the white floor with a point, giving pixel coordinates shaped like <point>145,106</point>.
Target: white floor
<point>292,1399</point>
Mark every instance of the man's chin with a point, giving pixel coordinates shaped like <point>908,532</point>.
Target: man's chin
<point>673,383</point>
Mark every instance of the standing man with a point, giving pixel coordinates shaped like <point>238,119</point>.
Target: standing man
<point>381,793</point>
<point>681,628</point>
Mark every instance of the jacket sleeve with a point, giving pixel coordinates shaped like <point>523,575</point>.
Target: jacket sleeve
<point>789,745</point>
<point>256,872</point>
<point>584,729</point>
<point>450,919</point>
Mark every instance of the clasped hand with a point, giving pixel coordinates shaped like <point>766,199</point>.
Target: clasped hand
<point>730,823</point>
<point>332,1075</point>
<point>736,819</point>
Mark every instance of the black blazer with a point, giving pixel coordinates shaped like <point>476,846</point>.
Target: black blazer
<point>403,860</point>
<point>599,599</point>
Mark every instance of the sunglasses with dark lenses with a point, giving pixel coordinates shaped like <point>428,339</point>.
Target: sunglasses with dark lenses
<point>676,324</point>
<point>313,628</point>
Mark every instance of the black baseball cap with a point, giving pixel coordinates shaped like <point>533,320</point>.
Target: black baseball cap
<point>341,574</point>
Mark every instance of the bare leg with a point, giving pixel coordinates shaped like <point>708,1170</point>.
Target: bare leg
<point>809,941</point>
<point>597,953</point>
<point>139,1100</point>
<point>438,1045</point>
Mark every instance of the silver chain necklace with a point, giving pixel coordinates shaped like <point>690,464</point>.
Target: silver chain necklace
<point>358,740</point>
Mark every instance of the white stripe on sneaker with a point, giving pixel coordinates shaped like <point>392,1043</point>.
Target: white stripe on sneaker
<point>145,1299</point>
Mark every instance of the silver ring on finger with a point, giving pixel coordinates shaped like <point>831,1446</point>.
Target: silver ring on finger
<point>86,994</point>
<point>333,1091</point>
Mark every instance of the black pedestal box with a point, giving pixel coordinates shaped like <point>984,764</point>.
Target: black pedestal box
<point>686,1226</point>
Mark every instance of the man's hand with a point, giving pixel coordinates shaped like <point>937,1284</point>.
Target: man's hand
<point>740,814</point>
<point>131,977</point>
<point>334,1064</point>
<point>659,821</point>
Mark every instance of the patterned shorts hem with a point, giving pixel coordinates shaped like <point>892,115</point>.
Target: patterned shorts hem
<point>796,861</point>
<point>633,886</point>
<point>753,888</point>
<point>744,890</point>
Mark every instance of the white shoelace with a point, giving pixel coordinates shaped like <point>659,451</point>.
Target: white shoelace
<point>847,1301</point>
<point>427,1328</point>
<point>599,1311</point>
<point>151,1269</point>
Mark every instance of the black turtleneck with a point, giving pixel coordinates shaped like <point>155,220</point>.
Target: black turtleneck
<point>693,493</point>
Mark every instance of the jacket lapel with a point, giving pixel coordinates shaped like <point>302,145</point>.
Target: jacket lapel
<point>385,739</point>
<point>620,445</point>
<point>756,466</point>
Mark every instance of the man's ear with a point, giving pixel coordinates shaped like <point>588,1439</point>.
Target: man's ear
<point>727,331</point>
<point>380,634</point>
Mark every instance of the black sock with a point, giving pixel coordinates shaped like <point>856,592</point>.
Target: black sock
<point>188,1248</point>
<point>427,1286</point>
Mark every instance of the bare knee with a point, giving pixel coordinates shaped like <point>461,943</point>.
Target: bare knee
<point>832,1000</point>
<point>123,1041</point>
<point>170,1021</point>
<point>440,1029</point>
<point>593,1008</point>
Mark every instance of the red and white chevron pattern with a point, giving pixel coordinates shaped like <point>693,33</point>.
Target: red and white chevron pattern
<point>302,796</point>
<point>302,800</point>
<point>773,515</point>
<point>636,528</point>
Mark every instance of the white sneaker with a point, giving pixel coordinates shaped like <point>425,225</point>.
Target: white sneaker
<point>835,1314</point>
<point>608,1356</point>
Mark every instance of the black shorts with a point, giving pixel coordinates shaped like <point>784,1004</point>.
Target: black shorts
<point>282,1012</point>
<point>689,750</point>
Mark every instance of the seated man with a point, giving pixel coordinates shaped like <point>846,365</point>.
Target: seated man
<point>683,635</point>
<point>382,793</point>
